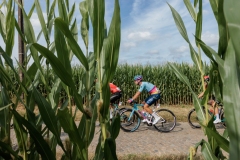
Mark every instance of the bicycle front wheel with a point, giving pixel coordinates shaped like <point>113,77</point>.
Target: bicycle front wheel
<point>167,120</point>
<point>193,119</point>
<point>130,120</point>
<point>223,119</point>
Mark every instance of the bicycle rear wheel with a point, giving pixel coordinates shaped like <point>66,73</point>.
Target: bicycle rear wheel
<point>193,119</point>
<point>167,120</point>
<point>223,119</point>
<point>130,120</point>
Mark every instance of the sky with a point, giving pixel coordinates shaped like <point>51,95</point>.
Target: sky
<point>148,31</point>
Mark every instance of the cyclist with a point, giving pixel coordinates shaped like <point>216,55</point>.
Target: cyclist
<point>211,100</point>
<point>116,94</point>
<point>154,96</point>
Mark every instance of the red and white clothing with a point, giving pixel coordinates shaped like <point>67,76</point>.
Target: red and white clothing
<point>114,88</point>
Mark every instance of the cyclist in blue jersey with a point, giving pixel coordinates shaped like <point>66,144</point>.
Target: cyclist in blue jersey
<point>154,95</point>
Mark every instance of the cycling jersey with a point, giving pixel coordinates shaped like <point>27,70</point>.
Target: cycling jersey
<point>149,87</point>
<point>114,88</point>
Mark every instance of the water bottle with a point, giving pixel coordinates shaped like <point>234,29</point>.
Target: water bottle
<point>143,114</point>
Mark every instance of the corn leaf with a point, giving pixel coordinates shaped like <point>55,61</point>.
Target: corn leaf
<point>110,149</point>
<point>57,66</point>
<point>70,127</point>
<point>42,21</point>
<point>85,22</point>
<point>222,142</point>
<point>190,9</point>
<point>70,15</point>
<point>231,89</point>
<point>231,13</point>
<point>10,150</point>
<point>74,30</point>
<point>93,120</point>
<point>19,31</point>
<point>67,4</point>
<point>198,31</point>
<point>47,6</point>
<point>61,48</point>
<point>195,3</point>
<point>197,105</point>
<point>72,42</point>
<point>207,151</point>
<point>195,57</point>
<point>223,31</point>
<point>30,36</point>
<point>214,5</point>
<point>55,94</point>
<point>113,40</point>
<point>2,26</point>
<point>179,23</point>
<point>115,127</point>
<point>47,114</point>
<point>10,23</point>
<point>96,12</point>
<point>31,11</point>
<point>62,11</point>
<point>50,16</point>
<point>3,107</point>
<point>21,135</point>
<point>208,51</point>
<point>41,145</point>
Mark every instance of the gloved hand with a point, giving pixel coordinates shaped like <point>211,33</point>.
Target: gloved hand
<point>130,100</point>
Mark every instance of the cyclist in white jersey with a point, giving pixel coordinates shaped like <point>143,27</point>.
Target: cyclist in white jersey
<point>154,95</point>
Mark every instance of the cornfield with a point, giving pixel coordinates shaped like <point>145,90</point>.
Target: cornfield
<point>173,91</point>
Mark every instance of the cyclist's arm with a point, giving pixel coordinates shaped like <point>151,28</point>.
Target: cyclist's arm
<point>201,95</point>
<point>136,95</point>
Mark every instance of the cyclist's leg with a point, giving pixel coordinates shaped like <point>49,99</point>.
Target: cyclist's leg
<point>212,103</point>
<point>149,101</point>
<point>114,97</point>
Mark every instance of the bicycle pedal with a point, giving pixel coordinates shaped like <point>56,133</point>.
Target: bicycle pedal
<point>149,124</point>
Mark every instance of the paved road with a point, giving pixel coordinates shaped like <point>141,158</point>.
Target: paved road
<point>147,140</point>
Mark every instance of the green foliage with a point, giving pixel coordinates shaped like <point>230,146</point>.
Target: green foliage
<point>224,74</point>
<point>173,90</point>
<point>39,134</point>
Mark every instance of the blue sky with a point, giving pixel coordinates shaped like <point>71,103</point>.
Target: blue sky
<point>148,32</point>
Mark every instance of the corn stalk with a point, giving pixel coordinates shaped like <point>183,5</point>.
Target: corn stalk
<point>65,46</point>
<point>225,67</point>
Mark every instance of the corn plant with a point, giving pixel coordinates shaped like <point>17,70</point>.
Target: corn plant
<point>38,135</point>
<point>224,73</point>
<point>173,90</point>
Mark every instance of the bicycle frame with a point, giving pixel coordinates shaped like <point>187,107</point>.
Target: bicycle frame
<point>136,109</point>
<point>116,108</point>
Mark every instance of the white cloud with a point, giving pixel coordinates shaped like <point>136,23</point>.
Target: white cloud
<point>140,35</point>
<point>180,49</point>
<point>127,46</point>
<point>153,52</point>
<point>205,12</point>
<point>210,38</point>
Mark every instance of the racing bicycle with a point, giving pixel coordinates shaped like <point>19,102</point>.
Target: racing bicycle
<point>131,119</point>
<point>193,119</point>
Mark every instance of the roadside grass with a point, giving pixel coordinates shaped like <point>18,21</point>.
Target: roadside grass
<point>163,157</point>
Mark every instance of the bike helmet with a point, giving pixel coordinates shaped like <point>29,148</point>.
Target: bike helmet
<point>206,78</point>
<point>138,77</point>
